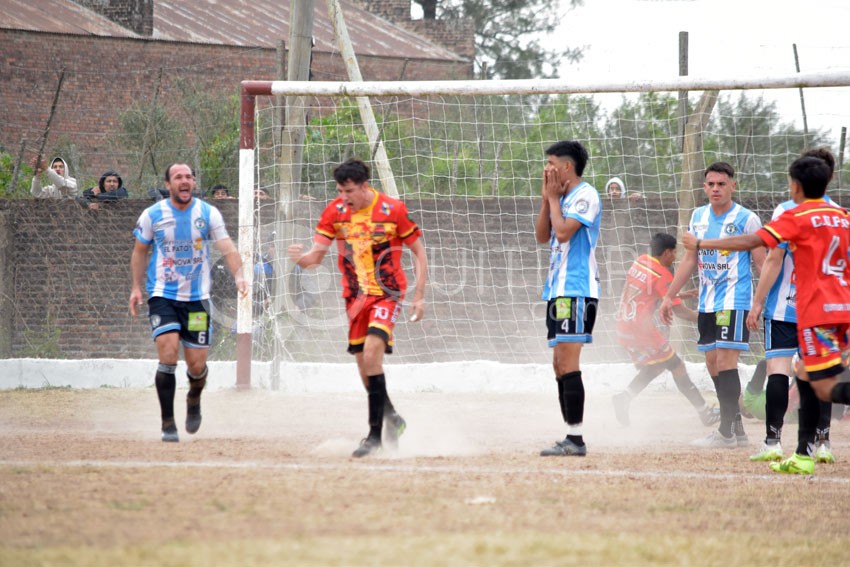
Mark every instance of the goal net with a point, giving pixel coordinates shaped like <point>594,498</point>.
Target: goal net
<point>467,159</point>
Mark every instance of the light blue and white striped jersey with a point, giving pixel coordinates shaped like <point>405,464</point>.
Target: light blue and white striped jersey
<point>781,301</point>
<point>725,276</point>
<point>179,266</point>
<point>573,271</point>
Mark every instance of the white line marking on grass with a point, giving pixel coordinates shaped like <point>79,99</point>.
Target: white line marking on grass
<point>418,469</point>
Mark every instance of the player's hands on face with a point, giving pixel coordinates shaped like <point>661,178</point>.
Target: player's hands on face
<point>754,317</point>
<point>689,241</point>
<point>553,186</point>
<point>135,299</point>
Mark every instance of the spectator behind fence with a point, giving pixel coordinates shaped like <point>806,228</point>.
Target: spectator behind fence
<point>62,184</point>
<point>110,187</point>
<point>616,189</point>
<point>220,192</point>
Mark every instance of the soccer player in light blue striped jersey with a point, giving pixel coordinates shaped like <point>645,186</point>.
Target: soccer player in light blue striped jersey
<point>568,222</point>
<point>726,289</point>
<point>176,231</point>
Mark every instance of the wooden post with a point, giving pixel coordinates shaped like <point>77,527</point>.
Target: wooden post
<point>683,95</point>
<point>382,161</point>
<point>802,104</point>
<point>50,119</point>
<point>292,134</point>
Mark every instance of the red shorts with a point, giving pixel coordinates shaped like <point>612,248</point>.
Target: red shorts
<point>821,349</point>
<point>371,315</point>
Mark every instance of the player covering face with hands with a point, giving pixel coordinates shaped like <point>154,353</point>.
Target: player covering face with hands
<point>172,259</point>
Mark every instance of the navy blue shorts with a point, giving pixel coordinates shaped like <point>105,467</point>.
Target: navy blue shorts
<point>189,318</point>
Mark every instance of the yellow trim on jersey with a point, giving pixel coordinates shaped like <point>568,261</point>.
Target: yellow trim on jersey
<point>773,233</point>
<point>826,209</point>
<point>411,231</point>
<point>327,234</point>
<point>824,366</point>
<point>357,341</point>
<point>647,268</point>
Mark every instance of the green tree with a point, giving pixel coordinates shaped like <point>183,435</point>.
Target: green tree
<point>748,132</point>
<point>641,143</point>
<point>507,34</point>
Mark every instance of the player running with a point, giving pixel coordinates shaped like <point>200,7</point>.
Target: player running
<point>370,229</point>
<point>641,334</point>
<point>177,231</point>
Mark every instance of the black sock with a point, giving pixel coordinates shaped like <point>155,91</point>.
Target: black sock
<point>377,390</point>
<point>389,408</point>
<point>573,397</point>
<point>646,375</point>
<point>197,383</point>
<point>841,393</point>
<point>728,391</point>
<point>776,404</point>
<point>561,399</point>
<point>689,390</point>
<point>166,386</point>
<point>756,383</point>
<point>809,415</point>
<point>822,431</point>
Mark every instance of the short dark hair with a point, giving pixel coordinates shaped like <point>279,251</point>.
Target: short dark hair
<point>812,174</point>
<point>219,187</point>
<point>720,167</point>
<point>660,243</point>
<point>170,165</point>
<point>351,170</point>
<point>823,154</point>
<point>572,150</point>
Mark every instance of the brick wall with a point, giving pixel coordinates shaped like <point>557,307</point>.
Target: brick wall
<point>104,76</point>
<point>135,15</point>
<point>65,280</point>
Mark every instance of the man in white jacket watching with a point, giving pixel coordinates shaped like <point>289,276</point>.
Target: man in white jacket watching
<point>62,184</point>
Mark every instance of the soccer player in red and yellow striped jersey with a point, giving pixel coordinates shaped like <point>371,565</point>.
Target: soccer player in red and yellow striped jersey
<point>370,229</point>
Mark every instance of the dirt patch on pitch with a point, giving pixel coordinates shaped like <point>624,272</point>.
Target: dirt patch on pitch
<point>83,475</point>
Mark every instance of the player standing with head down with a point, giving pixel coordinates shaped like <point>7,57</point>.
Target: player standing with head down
<point>569,219</point>
<point>177,231</point>
<point>725,284</point>
<point>818,234</point>
<point>370,229</point>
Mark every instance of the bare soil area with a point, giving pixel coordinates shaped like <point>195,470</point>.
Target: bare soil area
<point>85,480</point>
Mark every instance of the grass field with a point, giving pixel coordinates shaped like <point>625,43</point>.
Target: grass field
<point>84,480</point>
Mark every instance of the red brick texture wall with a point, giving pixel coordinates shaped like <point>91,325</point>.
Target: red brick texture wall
<point>104,76</point>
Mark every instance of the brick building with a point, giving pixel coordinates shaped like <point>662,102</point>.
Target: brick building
<point>116,52</point>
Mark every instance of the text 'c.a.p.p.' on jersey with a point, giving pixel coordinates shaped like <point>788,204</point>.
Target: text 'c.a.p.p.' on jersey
<point>179,265</point>
<point>726,280</point>
<point>573,271</point>
<point>781,301</point>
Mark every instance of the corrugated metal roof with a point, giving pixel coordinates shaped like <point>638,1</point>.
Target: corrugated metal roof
<point>246,23</point>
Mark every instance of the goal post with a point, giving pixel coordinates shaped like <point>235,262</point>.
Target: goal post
<point>466,158</point>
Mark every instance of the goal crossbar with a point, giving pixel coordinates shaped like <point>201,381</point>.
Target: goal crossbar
<point>540,86</point>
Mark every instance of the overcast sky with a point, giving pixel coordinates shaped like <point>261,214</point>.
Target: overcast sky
<point>639,38</point>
